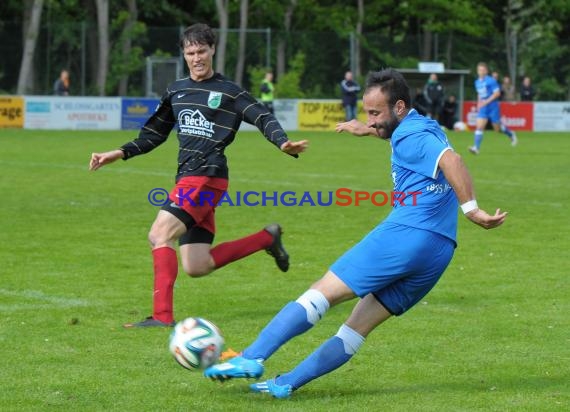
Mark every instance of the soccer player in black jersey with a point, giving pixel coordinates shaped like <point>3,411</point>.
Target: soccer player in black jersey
<point>208,109</point>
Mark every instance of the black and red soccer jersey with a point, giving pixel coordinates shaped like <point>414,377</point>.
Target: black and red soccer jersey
<point>208,115</point>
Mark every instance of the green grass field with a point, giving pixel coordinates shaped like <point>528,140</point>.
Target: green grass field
<point>494,334</point>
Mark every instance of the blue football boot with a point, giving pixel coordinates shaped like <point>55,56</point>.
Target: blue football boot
<point>238,367</point>
<point>275,390</point>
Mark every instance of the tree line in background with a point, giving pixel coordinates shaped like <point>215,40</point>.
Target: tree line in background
<point>308,43</point>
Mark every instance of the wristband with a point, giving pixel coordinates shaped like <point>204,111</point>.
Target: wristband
<point>469,206</point>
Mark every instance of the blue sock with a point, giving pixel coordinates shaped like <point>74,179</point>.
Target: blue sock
<point>288,323</point>
<point>506,131</point>
<point>332,354</point>
<point>294,319</point>
<point>478,138</point>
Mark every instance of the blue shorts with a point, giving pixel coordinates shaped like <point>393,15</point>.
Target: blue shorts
<point>491,112</point>
<point>398,264</point>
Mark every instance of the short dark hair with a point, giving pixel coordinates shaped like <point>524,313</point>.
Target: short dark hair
<point>391,83</point>
<point>198,33</point>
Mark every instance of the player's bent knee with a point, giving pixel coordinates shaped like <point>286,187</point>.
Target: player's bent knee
<point>197,269</point>
<point>333,288</point>
<point>157,238</point>
<point>194,273</point>
<point>197,272</point>
<point>161,235</point>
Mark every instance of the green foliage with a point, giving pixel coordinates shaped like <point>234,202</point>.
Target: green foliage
<point>256,75</point>
<point>289,84</point>
<point>161,53</point>
<point>543,56</point>
<point>121,64</point>
<point>394,34</point>
<point>340,18</point>
<point>174,12</point>
<point>550,89</point>
<point>381,55</point>
<point>459,16</point>
<point>317,92</point>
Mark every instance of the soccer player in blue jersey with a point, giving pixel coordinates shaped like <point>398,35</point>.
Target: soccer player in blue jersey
<point>488,96</point>
<point>396,264</point>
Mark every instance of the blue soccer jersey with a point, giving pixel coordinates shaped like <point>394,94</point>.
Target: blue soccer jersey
<point>417,146</point>
<point>485,88</point>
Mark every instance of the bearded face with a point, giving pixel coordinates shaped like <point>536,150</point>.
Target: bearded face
<point>381,115</point>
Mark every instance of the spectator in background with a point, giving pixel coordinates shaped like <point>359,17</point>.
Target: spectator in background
<point>61,85</point>
<point>448,115</point>
<point>507,90</point>
<point>420,103</point>
<point>267,91</point>
<point>349,90</point>
<point>433,93</point>
<point>527,91</point>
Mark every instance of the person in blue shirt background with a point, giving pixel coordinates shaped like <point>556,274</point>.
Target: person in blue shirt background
<point>392,267</point>
<point>488,96</point>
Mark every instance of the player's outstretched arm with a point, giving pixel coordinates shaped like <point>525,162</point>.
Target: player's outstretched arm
<point>101,159</point>
<point>294,148</point>
<point>458,177</point>
<point>485,220</point>
<point>356,128</point>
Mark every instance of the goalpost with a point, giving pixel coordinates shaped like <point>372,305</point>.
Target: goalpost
<point>160,72</point>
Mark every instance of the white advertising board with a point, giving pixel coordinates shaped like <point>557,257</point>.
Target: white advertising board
<point>286,113</point>
<point>90,113</point>
<point>551,116</point>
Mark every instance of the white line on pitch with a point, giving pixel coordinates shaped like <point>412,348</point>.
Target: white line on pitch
<point>49,299</point>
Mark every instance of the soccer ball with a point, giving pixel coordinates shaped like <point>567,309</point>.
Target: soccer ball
<point>459,126</point>
<point>196,343</point>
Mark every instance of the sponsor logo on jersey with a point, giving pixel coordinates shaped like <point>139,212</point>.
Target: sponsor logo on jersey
<point>194,123</point>
<point>214,100</point>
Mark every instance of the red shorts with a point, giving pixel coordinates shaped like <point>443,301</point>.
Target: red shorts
<point>198,196</point>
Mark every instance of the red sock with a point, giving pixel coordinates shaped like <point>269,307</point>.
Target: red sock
<point>228,252</point>
<point>165,272</point>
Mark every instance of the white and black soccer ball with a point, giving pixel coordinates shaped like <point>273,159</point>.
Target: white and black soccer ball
<point>459,127</point>
<point>196,343</point>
